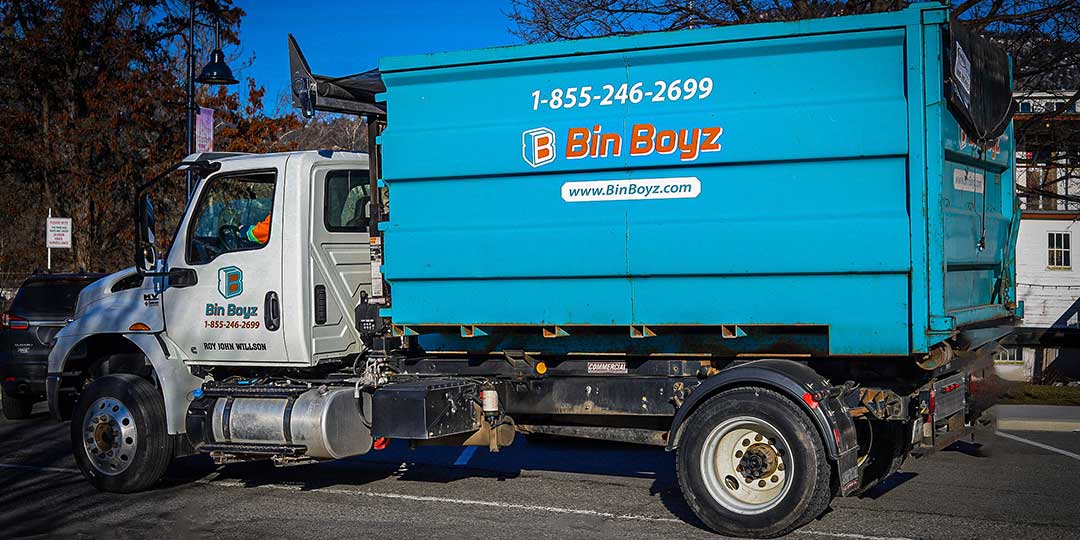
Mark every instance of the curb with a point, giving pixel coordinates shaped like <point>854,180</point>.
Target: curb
<point>1023,424</point>
<point>1060,419</point>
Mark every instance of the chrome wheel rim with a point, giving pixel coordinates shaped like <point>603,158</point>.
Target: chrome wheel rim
<point>109,436</point>
<point>747,465</point>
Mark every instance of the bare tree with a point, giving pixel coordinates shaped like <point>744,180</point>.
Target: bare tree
<point>331,132</point>
<point>92,99</point>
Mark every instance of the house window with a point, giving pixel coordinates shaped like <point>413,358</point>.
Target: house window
<point>1049,355</point>
<point>1009,356</point>
<point>1059,255</point>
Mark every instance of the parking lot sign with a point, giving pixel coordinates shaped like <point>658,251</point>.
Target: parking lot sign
<point>58,233</point>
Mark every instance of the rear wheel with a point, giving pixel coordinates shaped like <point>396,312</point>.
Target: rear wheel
<point>17,407</point>
<point>118,434</point>
<point>751,463</point>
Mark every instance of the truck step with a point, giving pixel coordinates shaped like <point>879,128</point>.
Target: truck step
<point>291,450</point>
<point>212,390</point>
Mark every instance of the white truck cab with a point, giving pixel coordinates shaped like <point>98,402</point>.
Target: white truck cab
<point>227,296</point>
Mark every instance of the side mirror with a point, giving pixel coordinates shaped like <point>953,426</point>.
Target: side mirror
<point>148,260</point>
<point>145,250</point>
<point>182,277</point>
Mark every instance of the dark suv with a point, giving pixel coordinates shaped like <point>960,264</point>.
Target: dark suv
<point>40,309</point>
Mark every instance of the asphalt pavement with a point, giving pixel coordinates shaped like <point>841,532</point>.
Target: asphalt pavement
<point>1007,485</point>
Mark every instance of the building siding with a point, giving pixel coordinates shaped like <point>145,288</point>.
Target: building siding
<point>1049,294</point>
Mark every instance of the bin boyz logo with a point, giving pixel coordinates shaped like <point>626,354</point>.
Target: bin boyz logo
<point>230,281</point>
<point>538,146</point>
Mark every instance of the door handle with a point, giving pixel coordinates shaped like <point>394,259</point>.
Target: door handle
<point>272,311</point>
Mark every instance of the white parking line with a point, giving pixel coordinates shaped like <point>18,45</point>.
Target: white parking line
<point>1037,444</point>
<point>852,536</point>
<point>210,480</point>
<point>466,502</point>
<point>518,506</point>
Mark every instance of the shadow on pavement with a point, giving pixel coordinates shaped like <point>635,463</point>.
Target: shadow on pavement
<point>443,465</point>
<point>972,449</point>
<point>892,482</point>
<point>29,498</point>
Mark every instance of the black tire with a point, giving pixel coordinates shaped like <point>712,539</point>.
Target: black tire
<point>808,492</point>
<point>17,407</point>
<point>149,458</point>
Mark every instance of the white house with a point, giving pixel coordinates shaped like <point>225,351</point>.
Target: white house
<point>1048,283</point>
<point>1048,276</point>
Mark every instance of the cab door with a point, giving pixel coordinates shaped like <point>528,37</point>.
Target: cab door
<point>341,258</point>
<point>222,303</point>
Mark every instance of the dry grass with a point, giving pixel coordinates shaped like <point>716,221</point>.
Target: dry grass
<point>1030,394</point>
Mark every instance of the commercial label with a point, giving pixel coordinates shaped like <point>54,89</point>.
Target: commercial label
<point>965,180</point>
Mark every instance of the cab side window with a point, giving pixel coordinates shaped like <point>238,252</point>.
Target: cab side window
<point>234,214</point>
<point>347,206</point>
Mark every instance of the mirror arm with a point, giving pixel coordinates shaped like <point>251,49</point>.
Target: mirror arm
<point>202,166</point>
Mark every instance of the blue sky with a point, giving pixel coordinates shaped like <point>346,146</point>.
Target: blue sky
<point>343,37</point>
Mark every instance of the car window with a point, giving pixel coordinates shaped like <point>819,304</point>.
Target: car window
<point>48,298</point>
<point>348,205</point>
<point>234,214</point>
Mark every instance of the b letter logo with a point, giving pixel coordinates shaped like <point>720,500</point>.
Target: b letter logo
<point>230,281</point>
<point>538,146</point>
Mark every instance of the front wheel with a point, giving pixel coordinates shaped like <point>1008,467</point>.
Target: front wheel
<point>750,463</point>
<point>119,435</point>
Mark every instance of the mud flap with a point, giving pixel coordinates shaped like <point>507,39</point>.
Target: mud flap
<point>847,446</point>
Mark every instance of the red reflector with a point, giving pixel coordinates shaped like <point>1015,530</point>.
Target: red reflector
<point>836,435</point>
<point>12,322</point>
<point>9,379</point>
<point>380,443</point>
<point>809,399</point>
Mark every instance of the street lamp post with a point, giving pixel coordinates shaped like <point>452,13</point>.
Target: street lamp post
<point>216,72</point>
<point>190,95</point>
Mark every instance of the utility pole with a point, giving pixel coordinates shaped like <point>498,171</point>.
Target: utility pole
<point>216,72</point>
